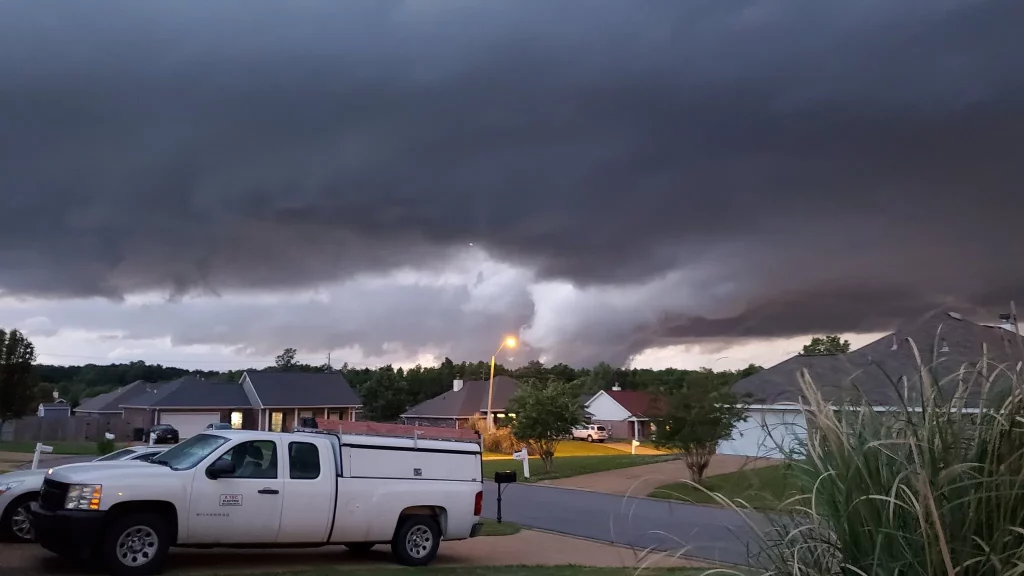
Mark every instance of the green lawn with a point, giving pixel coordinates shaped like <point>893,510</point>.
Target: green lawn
<point>762,488</point>
<point>567,466</point>
<point>572,448</point>
<point>485,571</point>
<point>492,528</point>
<point>66,448</point>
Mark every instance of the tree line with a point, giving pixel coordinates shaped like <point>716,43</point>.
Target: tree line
<point>387,391</point>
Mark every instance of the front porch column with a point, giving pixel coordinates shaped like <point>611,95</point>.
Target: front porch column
<point>636,429</point>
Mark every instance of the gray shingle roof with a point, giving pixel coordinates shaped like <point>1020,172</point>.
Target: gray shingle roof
<point>862,373</point>
<point>55,405</point>
<point>469,401</point>
<point>111,401</point>
<point>192,392</point>
<point>302,389</point>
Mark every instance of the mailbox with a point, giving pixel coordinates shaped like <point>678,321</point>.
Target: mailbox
<point>503,478</point>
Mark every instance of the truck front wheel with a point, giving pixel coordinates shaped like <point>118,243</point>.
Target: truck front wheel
<point>416,541</point>
<point>135,545</point>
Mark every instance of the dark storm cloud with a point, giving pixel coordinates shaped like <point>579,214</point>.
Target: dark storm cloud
<point>869,149</point>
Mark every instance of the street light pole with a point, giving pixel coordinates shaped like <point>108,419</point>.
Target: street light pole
<point>511,343</point>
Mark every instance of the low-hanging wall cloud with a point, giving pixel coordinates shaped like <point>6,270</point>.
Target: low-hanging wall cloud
<point>731,169</point>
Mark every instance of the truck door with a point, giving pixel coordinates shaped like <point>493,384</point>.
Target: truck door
<point>309,492</point>
<point>243,507</point>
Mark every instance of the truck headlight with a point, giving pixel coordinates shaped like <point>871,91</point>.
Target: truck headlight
<point>5,486</point>
<point>83,497</point>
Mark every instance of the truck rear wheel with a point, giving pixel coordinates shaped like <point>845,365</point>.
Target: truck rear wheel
<point>416,541</point>
<point>135,545</point>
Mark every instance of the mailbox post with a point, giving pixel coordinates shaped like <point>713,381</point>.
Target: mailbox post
<point>634,444</point>
<point>503,479</point>
<point>40,449</point>
<point>523,457</point>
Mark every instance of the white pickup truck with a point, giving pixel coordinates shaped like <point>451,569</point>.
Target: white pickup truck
<point>246,489</point>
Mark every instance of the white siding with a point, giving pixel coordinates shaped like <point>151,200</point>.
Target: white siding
<point>603,407</point>
<point>764,432</point>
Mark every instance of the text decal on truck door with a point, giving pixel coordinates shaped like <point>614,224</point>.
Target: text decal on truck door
<point>230,499</point>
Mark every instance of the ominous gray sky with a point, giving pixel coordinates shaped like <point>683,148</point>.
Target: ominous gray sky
<point>630,174</point>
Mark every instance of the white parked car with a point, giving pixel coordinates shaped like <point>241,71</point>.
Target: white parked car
<point>590,433</point>
<point>20,488</point>
<point>243,488</point>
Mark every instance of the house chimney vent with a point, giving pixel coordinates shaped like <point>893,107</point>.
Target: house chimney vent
<point>457,385</point>
<point>616,387</point>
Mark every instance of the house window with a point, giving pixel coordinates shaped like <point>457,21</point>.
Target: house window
<point>236,420</point>
<point>305,413</point>
<point>334,415</point>
<point>276,421</point>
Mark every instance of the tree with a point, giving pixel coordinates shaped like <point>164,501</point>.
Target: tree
<point>825,345</point>
<point>385,396</point>
<point>695,418</point>
<point>17,389</point>
<point>545,413</point>
<point>286,360</point>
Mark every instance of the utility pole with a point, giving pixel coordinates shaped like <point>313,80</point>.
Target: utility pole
<point>329,369</point>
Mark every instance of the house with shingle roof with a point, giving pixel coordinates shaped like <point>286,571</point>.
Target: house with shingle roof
<point>625,413</point>
<point>272,401</point>
<point>883,373</point>
<point>466,401</point>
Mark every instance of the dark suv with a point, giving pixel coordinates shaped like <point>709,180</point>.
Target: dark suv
<point>164,434</point>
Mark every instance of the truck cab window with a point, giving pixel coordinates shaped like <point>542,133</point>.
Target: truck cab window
<point>303,461</point>
<point>256,459</point>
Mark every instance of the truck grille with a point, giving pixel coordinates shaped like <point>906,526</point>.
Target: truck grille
<point>52,495</point>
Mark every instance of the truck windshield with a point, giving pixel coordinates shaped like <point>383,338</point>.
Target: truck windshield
<point>191,452</point>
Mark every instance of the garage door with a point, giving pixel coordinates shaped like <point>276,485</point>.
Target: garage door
<point>189,424</point>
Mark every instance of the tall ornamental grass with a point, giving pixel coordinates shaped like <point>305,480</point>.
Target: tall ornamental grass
<point>930,487</point>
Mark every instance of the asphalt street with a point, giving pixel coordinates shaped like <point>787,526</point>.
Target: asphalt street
<point>706,532</point>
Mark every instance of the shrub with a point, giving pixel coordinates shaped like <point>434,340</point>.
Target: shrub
<point>104,446</point>
<point>500,441</point>
<point>929,488</point>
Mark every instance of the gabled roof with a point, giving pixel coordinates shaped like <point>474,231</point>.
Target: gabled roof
<point>192,392</point>
<point>467,402</point>
<point>111,401</point>
<point>303,389</point>
<point>639,404</point>
<point>55,406</point>
<point>862,373</point>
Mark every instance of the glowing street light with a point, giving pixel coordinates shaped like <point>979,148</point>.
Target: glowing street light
<point>508,342</point>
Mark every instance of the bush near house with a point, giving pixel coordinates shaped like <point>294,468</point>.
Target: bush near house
<point>929,488</point>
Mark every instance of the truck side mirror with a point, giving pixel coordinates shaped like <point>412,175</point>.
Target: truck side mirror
<point>219,469</point>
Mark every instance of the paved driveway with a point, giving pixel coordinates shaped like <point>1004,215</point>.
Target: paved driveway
<point>641,480</point>
<point>702,531</point>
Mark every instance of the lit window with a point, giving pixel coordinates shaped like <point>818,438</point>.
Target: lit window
<point>236,420</point>
<point>334,415</point>
<point>276,421</point>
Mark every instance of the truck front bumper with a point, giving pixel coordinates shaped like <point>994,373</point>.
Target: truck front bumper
<point>477,528</point>
<point>74,533</point>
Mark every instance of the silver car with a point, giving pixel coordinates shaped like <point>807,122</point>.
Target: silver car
<point>20,488</point>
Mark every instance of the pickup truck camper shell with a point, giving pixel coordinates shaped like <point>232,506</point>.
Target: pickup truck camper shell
<point>355,484</point>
